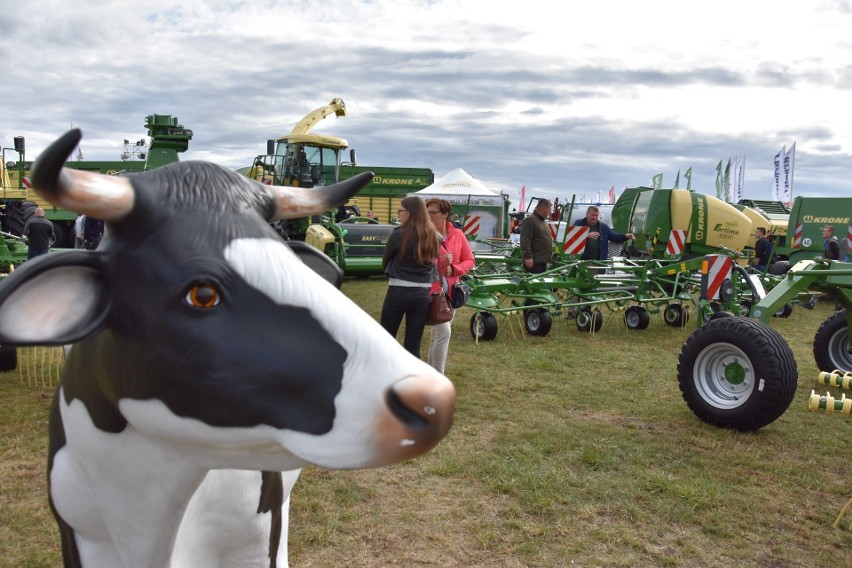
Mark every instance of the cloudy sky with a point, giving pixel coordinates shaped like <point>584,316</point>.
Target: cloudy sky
<point>561,97</point>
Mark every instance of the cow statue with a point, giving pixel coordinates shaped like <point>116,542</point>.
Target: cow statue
<point>209,356</point>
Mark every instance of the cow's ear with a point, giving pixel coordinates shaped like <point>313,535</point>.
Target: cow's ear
<point>318,262</point>
<point>54,299</point>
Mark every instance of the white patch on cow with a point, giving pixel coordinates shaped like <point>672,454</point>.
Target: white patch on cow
<point>51,304</point>
<point>375,359</point>
<point>221,526</point>
<point>102,508</point>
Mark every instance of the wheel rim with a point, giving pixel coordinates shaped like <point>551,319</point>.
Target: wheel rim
<point>478,327</point>
<point>672,315</point>
<point>838,350</point>
<point>533,321</point>
<point>632,318</point>
<point>723,375</point>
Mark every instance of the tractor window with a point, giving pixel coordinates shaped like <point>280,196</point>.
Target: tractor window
<point>308,166</point>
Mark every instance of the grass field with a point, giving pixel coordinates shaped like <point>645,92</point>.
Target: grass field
<point>567,450</point>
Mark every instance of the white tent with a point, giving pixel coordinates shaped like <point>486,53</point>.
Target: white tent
<point>457,186</point>
<point>481,208</point>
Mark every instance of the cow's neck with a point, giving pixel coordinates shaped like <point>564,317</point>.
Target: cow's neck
<point>120,484</point>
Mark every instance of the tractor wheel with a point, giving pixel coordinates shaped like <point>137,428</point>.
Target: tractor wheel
<point>637,317</point>
<point>831,344</point>
<point>737,373</point>
<point>779,268</point>
<point>538,321</point>
<point>18,214</point>
<point>483,326</point>
<point>8,357</point>
<point>589,320</point>
<point>675,315</point>
<point>785,311</point>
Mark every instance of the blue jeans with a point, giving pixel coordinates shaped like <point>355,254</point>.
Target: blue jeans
<point>411,303</point>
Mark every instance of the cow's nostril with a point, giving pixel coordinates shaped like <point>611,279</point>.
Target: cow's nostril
<point>408,416</point>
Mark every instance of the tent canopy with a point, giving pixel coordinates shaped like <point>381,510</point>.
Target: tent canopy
<point>459,187</point>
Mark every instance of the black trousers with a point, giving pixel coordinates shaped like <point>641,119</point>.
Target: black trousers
<point>411,303</point>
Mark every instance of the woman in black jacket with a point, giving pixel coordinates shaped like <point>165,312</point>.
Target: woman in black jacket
<point>409,262</point>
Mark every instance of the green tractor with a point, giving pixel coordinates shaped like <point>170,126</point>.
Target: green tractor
<point>351,237</point>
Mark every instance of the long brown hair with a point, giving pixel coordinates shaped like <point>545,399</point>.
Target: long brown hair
<point>420,233</point>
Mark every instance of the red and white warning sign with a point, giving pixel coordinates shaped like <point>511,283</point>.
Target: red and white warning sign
<point>471,225</point>
<point>575,240</point>
<point>715,269</point>
<point>677,238</point>
<point>797,236</point>
<point>27,183</point>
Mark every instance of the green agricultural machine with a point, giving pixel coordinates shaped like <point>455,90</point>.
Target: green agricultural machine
<point>738,372</point>
<point>168,139</point>
<point>351,237</point>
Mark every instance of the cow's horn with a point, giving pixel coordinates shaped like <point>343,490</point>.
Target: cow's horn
<point>294,202</point>
<point>97,195</point>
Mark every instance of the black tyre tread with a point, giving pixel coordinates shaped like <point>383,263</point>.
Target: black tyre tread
<point>489,326</point>
<point>779,268</point>
<point>767,351</point>
<point>829,328</point>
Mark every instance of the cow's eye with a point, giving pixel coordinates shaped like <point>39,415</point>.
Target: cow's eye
<point>202,296</point>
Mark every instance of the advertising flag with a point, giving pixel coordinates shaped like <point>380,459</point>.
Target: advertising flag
<point>739,179</point>
<point>677,180</point>
<point>726,182</point>
<point>523,198</point>
<point>789,159</point>
<point>657,181</point>
<point>719,180</point>
<point>688,176</point>
<point>776,189</point>
<point>612,194</point>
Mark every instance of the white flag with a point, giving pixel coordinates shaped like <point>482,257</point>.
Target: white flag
<point>789,159</point>
<point>776,190</point>
<point>739,179</point>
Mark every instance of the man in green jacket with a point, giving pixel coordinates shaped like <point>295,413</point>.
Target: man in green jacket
<point>536,240</point>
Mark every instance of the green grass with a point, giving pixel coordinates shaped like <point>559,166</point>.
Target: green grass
<point>567,450</point>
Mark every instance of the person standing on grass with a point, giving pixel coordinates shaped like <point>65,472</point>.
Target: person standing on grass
<point>762,248</point>
<point>831,247</point>
<point>536,240</point>
<point>38,232</point>
<point>409,262</point>
<point>597,243</point>
<point>454,261</point>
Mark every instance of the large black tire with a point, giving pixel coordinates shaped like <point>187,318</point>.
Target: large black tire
<point>831,344</point>
<point>8,357</point>
<point>17,215</point>
<point>589,320</point>
<point>483,326</point>
<point>538,321</point>
<point>636,317</point>
<point>779,268</point>
<point>738,373</point>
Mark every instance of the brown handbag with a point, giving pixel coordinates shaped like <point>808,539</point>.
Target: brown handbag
<point>440,310</point>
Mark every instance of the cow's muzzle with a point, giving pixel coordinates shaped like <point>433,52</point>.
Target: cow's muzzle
<point>420,413</point>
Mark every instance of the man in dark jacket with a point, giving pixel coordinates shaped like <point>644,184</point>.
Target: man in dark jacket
<point>536,240</point>
<point>597,243</point>
<point>762,248</point>
<point>38,232</point>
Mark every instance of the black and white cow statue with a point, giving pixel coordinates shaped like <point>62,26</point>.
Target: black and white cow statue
<point>209,356</point>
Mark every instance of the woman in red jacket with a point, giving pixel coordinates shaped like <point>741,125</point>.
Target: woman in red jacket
<point>455,259</point>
